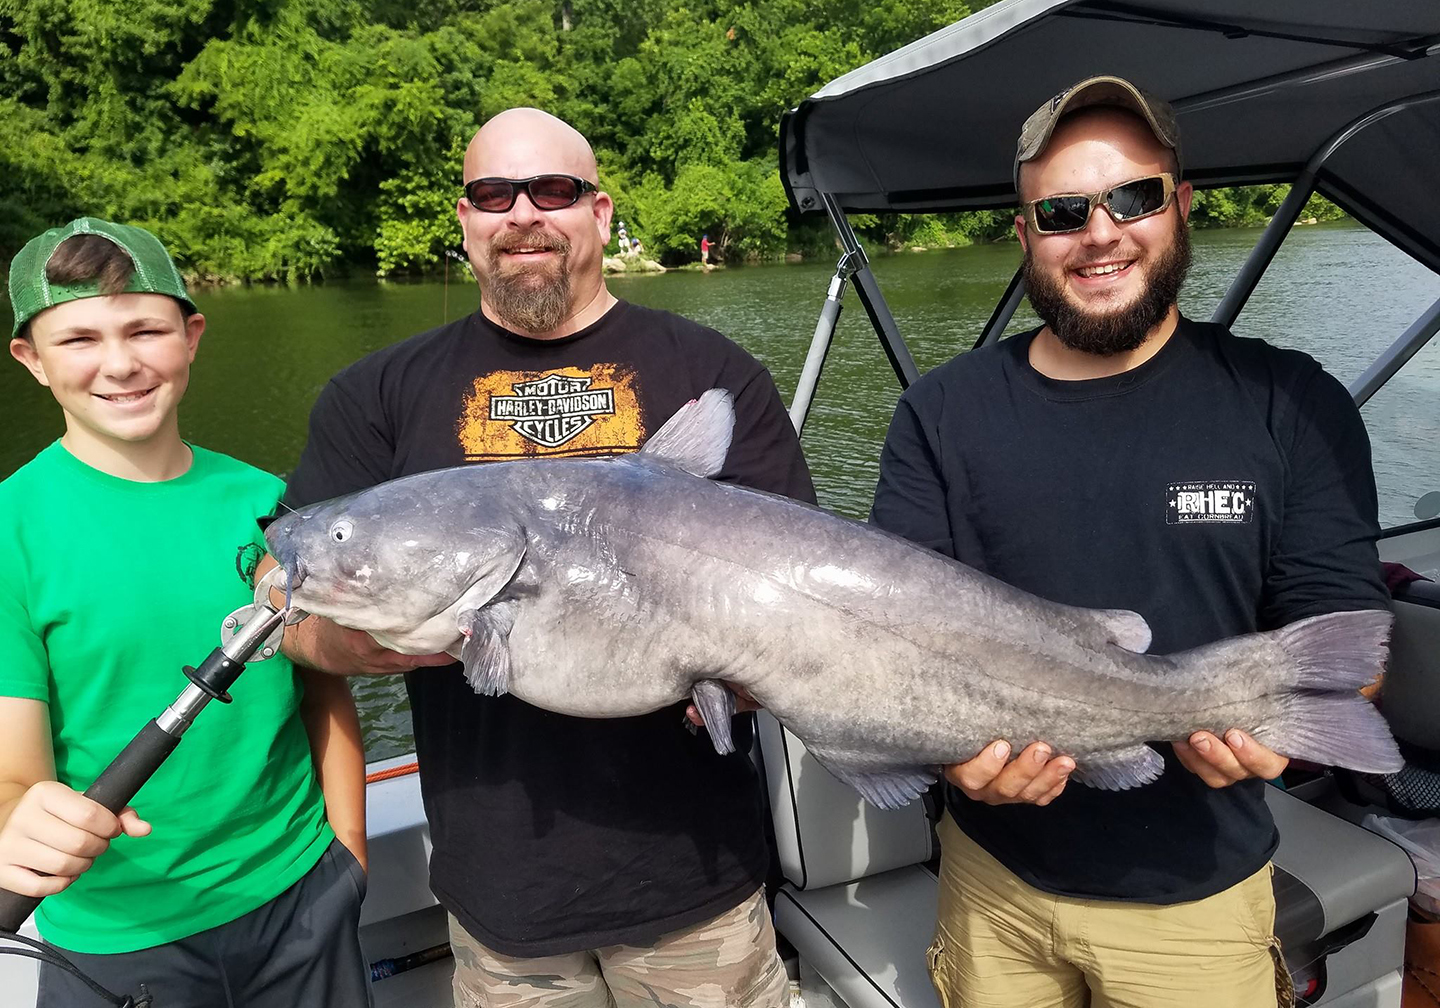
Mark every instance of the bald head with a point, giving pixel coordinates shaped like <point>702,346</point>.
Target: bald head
<point>1097,133</point>
<point>522,142</point>
<point>539,267</point>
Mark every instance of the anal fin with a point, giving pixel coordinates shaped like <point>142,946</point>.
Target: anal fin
<point>716,704</point>
<point>486,650</point>
<point>890,788</point>
<point>1119,769</point>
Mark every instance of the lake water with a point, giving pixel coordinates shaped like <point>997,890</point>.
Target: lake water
<point>1336,291</point>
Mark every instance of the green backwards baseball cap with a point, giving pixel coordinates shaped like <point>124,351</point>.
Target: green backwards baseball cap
<point>31,291</point>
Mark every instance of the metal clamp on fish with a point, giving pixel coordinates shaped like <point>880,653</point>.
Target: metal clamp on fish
<point>250,633</point>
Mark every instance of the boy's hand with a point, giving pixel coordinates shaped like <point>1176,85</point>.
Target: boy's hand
<point>54,834</point>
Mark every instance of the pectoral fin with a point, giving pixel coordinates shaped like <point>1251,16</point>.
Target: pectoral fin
<point>1120,769</point>
<point>486,650</point>
<point>716,705</point>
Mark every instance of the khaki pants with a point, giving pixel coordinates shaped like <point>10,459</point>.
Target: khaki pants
<point>1000,943</point>
<point>726,962</point>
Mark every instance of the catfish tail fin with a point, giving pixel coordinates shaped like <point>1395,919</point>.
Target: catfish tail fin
<point>1322,717</point>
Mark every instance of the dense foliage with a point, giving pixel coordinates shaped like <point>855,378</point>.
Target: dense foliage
<point>285,138</point>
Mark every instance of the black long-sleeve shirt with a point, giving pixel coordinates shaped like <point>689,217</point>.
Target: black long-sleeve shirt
<point>1221,487</point>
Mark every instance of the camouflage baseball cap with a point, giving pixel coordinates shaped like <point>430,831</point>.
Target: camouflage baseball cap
<point>1116,91</point>
<point>31,291</point>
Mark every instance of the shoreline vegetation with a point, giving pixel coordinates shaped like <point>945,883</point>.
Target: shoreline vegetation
<point>293,140</point>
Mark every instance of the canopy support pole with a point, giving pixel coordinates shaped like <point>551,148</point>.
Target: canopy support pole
<point>1245,282</point>
<point>853,266</point>
<point>1285,217</point>
<point>820,342</point>
<point>868,288</point>
<point>1004,311</point>
<point>1396,355</point>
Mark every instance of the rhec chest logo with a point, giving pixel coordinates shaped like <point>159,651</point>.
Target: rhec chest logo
<point>554,409</point>
<point>1227,501</point>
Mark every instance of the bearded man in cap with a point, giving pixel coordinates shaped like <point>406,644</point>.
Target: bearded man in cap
<point>1123,456</point>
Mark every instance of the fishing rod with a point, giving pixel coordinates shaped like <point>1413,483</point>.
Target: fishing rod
<point>250,633</point>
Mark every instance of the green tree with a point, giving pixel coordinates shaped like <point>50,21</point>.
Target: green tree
<point>285,139</point>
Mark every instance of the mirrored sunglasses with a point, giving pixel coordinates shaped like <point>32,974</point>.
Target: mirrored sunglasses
<point>1128,201</point>
<point>547,192</point>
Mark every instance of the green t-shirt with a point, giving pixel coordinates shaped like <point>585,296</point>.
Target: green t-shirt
<point>108,587</point>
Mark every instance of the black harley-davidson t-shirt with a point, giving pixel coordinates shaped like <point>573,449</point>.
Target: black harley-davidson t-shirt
<point>1221,487</point>
<point>551,833</point>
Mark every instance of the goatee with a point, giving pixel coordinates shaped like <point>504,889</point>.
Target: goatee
<point>528,297</point>
<point>1105,333</point>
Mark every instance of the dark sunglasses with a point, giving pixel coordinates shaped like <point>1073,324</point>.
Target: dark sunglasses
<point>547,192</point>
<point>1128,201</point>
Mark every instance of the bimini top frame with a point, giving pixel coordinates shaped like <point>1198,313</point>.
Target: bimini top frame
<point>1329,95</point>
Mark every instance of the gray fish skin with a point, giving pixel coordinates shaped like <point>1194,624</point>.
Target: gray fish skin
<point>608,588</point>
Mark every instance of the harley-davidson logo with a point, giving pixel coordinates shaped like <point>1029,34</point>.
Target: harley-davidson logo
<point>553,409</point>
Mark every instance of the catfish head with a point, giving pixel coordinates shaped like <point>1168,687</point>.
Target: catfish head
<point>400,560</point>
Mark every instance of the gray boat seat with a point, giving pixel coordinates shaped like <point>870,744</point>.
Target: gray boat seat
<point>1412,678</point>
<point>859,901</point>
<point>1410,701</point>
<point>860,896</point>
<point>1341,898</point>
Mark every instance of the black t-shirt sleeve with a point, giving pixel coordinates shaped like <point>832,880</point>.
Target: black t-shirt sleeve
<point>910,497</point>
<point>350,447</point>
<point>765,451</point>
<point>1325,559</point>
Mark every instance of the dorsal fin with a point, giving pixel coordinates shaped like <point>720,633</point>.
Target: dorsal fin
<point>1126,629</point>
<point>697,437</point>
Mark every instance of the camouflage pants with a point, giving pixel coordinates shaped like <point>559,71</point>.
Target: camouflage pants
<point>727,962</point>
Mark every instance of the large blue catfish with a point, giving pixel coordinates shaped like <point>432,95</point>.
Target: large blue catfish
<point>613,587</point>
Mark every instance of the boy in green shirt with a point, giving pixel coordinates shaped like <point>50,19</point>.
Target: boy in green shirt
<point>118,548</point>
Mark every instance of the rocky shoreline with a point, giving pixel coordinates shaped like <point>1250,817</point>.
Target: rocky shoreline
<point>631,263</point>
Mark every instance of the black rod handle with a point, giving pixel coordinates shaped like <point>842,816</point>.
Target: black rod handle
<point>15,909</point>
<point>114,788</point>
<point>128,772</point>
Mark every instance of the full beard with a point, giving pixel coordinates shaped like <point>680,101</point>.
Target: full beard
<point>528,297</point>
<point>1105,333</point>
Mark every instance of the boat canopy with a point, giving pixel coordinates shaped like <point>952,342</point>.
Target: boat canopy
<point>1265,92</point>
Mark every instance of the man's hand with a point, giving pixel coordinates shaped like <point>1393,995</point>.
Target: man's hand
<point>744,703</point>
<point>320,644</point>
<point>1220,764</point>
<point>54,834</point>
<point>1034,777</point>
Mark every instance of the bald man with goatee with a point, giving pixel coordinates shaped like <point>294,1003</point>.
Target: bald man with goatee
<point>585,863</point>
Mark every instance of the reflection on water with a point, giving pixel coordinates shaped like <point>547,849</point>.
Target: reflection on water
<point>1335,291</point>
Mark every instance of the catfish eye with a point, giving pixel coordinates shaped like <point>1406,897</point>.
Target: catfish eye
<point>341,530</point>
